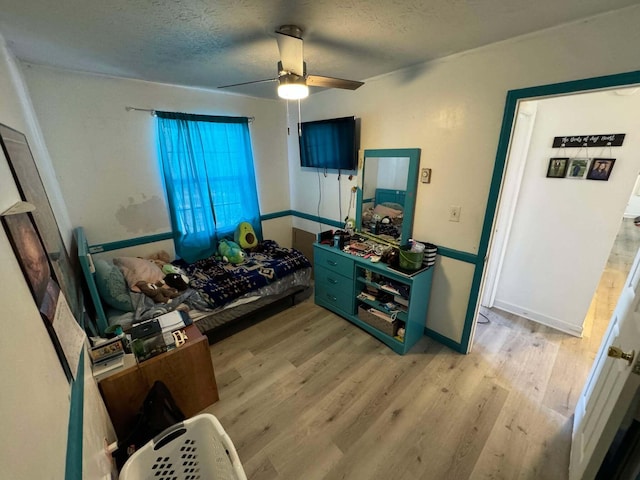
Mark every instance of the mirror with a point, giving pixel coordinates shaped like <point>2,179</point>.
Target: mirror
<point>386,198</point>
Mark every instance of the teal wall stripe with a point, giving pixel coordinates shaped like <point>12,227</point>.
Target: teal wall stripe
<point>270,216</point>
<point>314,218</point>
<point>443,251</point>
<point>458,255</point>
<point>131,242</point>
<point>73,465</point>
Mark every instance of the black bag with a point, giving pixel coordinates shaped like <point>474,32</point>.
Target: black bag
<point>158,412</point>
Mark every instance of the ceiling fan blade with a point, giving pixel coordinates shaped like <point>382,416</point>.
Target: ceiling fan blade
<point>249,83</point>
<point>331,82</point>
<point>291,53</point>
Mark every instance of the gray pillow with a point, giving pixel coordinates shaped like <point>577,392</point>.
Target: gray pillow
<point>112,286</point>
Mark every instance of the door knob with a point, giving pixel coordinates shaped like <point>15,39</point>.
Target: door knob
<point>617,352</point>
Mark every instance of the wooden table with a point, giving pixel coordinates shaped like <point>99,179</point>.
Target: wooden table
<point>187,371</point>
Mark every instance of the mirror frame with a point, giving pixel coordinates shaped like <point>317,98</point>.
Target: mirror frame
<point>412,183</point>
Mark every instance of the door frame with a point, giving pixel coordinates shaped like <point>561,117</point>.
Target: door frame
<point>509,194</point>
<point>508,120</point>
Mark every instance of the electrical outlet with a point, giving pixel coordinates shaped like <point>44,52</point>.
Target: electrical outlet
<point>425,176</point>
<point>454,213</point>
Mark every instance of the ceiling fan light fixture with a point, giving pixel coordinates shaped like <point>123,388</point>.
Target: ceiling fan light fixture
<point>292,87</point>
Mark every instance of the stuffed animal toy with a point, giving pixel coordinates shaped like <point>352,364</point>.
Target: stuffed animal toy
<point>245,236</point>
<point>177,281</point>
<point>160,258</point>
<point>171,268</point>
<point>158,292</point>
<point>231,252</point>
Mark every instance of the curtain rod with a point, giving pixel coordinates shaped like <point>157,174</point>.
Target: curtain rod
<point>153,112</point>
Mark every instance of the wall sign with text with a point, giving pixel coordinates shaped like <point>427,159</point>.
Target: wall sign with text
<point>577,141</point>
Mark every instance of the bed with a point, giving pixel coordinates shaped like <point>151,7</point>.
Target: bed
<point>218,293</point>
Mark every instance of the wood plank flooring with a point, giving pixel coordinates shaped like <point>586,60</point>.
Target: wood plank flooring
<point>307,395</point>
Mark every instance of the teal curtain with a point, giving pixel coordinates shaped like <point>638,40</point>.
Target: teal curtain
<point>209,178</point>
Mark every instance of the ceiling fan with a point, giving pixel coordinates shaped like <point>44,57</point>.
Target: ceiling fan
<point>293,79</point>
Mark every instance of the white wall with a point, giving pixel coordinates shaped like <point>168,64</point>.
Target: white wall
<point>34,393</point>
<point>452,109</point>
<point>105,158</point>
<point>313,192</point>
<point>563,229</point>
<point>34,405</point>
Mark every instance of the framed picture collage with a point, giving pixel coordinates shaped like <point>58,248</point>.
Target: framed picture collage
<point>580,168</point>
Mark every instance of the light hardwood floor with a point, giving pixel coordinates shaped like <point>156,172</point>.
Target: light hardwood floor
<point>306,395</point>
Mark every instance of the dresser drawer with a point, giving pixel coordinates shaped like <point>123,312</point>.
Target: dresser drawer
<point>334,262</point>
<point>333,280</point>
<point>333,290</point>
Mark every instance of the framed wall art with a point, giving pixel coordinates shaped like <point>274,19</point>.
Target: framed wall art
<point>30,253</point>
<point>600,169</point>
<point>578,168</point>
<point>27,178</point>
<point>35,265</point>
<point>557,167</point>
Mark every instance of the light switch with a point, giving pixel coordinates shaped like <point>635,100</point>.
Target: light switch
<point>454,213</point>
<point>425,176</point>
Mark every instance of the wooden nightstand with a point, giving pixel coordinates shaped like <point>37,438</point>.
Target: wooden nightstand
<point>187,371</point>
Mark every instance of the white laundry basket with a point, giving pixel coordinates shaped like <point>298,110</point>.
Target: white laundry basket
<point>196,449</point>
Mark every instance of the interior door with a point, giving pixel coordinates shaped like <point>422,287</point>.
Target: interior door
<point>611,384</point>
<point>516,161</point>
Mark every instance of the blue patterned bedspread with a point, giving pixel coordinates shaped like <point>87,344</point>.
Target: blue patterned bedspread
<point>219,283</point>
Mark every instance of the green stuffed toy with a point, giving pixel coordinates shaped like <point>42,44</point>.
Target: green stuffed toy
<point>245,236</point>
<point>231,252</point>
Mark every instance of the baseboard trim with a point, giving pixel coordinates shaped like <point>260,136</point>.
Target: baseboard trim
<point>445,340</point>
<point>545,320</point>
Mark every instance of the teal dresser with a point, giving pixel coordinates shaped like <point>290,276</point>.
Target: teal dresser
<point>340,279</point>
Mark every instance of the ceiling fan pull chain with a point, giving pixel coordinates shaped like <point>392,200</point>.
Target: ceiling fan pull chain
<point>299,120</point>
<point>288,120</point>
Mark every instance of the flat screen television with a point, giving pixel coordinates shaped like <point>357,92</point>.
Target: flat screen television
<point>329,144</point>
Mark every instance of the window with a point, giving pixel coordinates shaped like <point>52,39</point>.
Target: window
<point>208,173</point>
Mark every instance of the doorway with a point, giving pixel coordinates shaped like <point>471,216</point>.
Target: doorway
<point>553,233</point>
<point>512,100</point>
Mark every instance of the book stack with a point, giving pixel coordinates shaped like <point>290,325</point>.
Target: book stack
<point>106,356</point>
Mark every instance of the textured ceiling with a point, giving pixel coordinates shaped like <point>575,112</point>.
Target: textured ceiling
<point>209,44</point>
